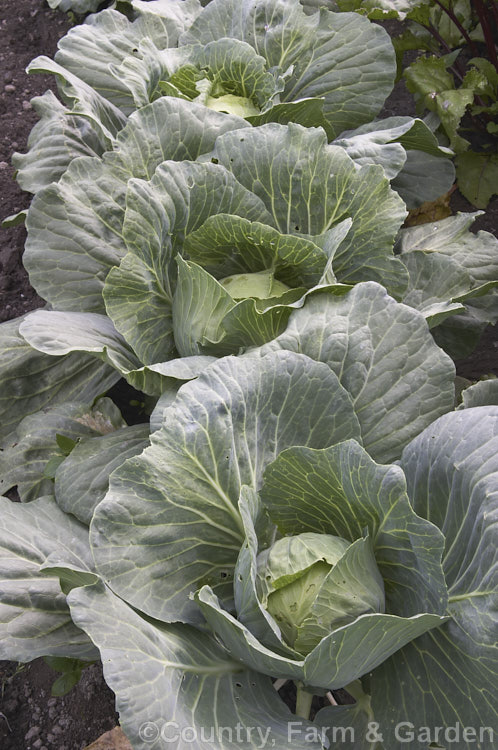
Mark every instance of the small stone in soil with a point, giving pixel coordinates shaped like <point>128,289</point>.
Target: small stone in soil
<point>33,732</point>
<point>9,89</point>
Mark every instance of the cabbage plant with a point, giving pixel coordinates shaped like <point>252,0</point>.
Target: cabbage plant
<point>266,62</point>
<point>263,540</point>
<point>157,275</point>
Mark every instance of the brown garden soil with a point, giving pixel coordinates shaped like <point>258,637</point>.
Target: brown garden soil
<point>30,719</point>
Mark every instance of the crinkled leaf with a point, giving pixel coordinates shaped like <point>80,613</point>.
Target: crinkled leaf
<point>160,213</point>
<point>108,38</point>
<point>169,128</point>
<point>236,67</point>
<point>226,245</point>
<point>219,434</point>
<point>177,201</point>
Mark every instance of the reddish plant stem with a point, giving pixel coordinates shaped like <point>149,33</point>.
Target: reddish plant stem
<point>460,27</point>
<point>482,12</point>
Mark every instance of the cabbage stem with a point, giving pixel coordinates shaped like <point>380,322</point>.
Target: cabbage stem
<point>303,701</point>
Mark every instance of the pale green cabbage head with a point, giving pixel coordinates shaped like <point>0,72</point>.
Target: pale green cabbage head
<point>310,584</point>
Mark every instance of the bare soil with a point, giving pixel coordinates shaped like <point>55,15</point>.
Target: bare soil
<point>30,719</point>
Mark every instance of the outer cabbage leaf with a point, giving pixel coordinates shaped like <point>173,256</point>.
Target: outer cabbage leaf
<point>31,381</point>
<point>34,617</point>
<point>220,433</point>
<point>169,128</point>
<point>170,678</point>
<point>75,235</point>
<point>54,142</point>
<point>451,471</point>
<point>92,49</point>
<point>82,480</point>
<point>56,333</point>
<point>436,281</point>
<point>476,255</point>
<point>385,357</point>
<point>423,178</point>
<point>408,151</point>
<point>82,98</point>
<point>28,451</point>
<point>482,393</point>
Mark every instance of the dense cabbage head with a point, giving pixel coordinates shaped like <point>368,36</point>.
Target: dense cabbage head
<point>259,285</point>
<point>309,583</point>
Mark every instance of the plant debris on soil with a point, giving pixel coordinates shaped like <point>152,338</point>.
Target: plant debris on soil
<point>30,718</point>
